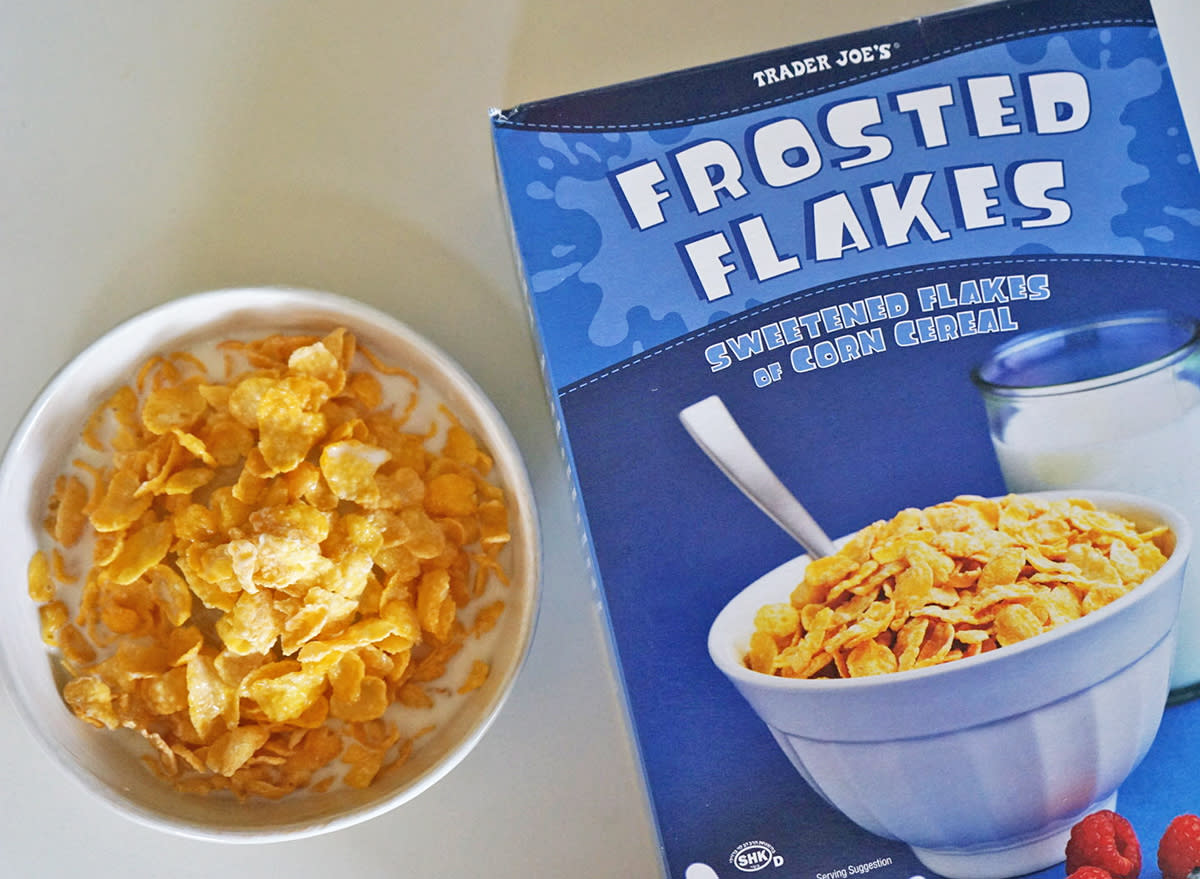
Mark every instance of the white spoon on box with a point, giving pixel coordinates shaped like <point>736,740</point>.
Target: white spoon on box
<point>716,432</point>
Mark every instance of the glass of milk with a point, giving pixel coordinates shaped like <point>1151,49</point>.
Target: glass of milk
<point>1109,403</point>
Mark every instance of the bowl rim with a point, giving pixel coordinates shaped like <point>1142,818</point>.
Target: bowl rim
<point>725,629</point>
<point>502,445</point>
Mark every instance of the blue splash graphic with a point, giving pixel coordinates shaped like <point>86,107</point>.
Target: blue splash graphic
<point>605,291</point>
<point>1161,212</point>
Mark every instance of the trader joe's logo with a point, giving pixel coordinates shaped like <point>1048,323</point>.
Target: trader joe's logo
<point>750,857</point>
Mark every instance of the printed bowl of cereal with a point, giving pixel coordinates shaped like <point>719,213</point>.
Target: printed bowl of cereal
<point>283,565</point>
<point>972,678</point>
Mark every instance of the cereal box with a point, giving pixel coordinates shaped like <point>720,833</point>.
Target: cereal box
<point>876,362</point>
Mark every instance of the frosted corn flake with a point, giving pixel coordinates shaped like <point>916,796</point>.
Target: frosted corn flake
<point>950,581</point>
<point>261,567</point>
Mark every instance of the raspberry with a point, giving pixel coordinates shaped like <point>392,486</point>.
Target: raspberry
<point>1106,840</point>
<point>1090,873</point>
<point>1179,849</point>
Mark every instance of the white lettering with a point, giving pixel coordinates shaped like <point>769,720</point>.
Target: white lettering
<point>988,111</point>
<point>706,256</point>
<point>834,228</point>
<point>897,216</point>
<point>784,152</point>
<point>639,191</point>
<point>927,106</point>
<point>846,125</point>
<point>1031,182</point>
<point>973,186</point>
<point>765,261</point>
<point>707,168</point>
<point>1060,101</point>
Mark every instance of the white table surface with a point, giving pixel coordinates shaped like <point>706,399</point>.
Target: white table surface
<point>152,149</point>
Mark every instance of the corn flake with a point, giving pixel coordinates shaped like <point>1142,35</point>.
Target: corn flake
<point>953,580</point>
<point>274,565</point>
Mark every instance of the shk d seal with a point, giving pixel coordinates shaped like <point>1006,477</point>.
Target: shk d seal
<point>750,857</point>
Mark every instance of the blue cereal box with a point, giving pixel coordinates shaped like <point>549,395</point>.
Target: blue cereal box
<point>876,362</point>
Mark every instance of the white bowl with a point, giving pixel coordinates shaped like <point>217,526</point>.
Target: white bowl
<point>980,765</point>
<point>41,448</point>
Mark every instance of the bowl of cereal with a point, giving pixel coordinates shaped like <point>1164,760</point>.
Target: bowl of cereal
<point>283,565</point>
<point>972,678</point>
